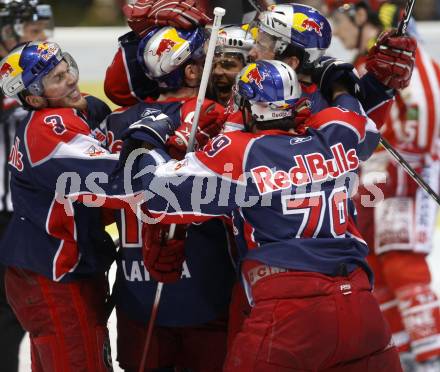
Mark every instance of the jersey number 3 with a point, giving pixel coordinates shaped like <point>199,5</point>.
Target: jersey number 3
<point>56,121</point>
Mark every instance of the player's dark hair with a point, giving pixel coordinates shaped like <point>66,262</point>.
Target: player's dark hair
<point>292,51</point>
<point>22,97</point>
<point>286,124</point>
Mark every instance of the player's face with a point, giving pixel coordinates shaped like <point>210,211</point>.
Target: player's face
<point>345,29</point>
<point>225,69</point>
<point>61,87</point>
<point>264,47</point>
<point>33,31</point>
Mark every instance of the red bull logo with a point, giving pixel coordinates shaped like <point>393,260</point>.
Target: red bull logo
<point>47,50</point>
<point>222,37</point>
<point>311,25</point>
<point>6,70</point>
<point>255,76</point>
<point>42,47</point>
<point>165,46</point>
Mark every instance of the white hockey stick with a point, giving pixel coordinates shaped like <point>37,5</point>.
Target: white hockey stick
<point>218,15</point>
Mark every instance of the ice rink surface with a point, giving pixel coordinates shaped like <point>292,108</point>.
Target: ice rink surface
<point>93,61</point>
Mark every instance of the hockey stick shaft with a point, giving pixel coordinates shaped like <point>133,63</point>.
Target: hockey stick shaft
<point>218,15</point>
<point>404,22</point>
<point>151,323</point>
<point>410,170</point>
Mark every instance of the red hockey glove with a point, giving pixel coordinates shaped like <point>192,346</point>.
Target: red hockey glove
<point>211,122</point>
<point>392,59</point>
<point>162,258</point>
<point>302,113</point>
<point>144,14</point>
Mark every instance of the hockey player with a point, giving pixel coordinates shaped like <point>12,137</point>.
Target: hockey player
<point>231,55</point>
<point>299,35</point>
<point>191,326</point>
<point>20,21</point>
<point>400,229</point>
<point>288,191</point>
<point>55,248</point>
<point>125,81</point>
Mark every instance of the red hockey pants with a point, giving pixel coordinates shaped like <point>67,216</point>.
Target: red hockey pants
<point>200,348</point>
<point>312,322</point>
<point>66,321</point>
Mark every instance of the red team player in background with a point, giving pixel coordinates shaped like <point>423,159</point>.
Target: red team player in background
<point>400,229</point>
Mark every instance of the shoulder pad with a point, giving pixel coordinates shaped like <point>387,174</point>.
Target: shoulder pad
<point>225,154</point>
<point>48,128</point>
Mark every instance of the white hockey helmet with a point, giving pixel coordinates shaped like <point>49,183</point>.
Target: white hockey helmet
<point>236,40</point>
<point>163,52</point>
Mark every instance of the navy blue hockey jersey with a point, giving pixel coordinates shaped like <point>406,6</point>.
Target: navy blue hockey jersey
<point>289,195</point>
<point>56,163</point>
<point>203,293</point>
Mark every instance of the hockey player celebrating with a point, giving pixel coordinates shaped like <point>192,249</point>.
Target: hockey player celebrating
<point>299,36</point>
<point>125,81</point>
<point>20,21</point>
<point>306,273</point>
<point>400,229</point>
<point>191,326</point>
<point>56,249</point>
<point>231,55</point>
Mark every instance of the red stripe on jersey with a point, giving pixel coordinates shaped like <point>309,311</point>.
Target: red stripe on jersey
<point>429,98</point>
<point>353,230</point>
<point>61,225</point>
<point>338,116</point>
<point>179,218</point>
<point>224,154</point>
<point>249,235</point>
<point>437,70</point>
<point>52,127</point>
<point>379,114</point>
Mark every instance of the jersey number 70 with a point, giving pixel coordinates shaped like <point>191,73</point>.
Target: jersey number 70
<point>312,207</point>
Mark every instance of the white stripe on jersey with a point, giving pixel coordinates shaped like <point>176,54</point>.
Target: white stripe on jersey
<point>417,96</point>
<point>435,88</point>
<point>81,147</point>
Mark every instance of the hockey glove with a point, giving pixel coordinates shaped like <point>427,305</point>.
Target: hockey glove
<point>154,130</point>
<point>211,122</point>
<point>162,258</point>
<point>392,59</point>
<point>330,73</point>
<point>302,113</point>
<point>145,14</point>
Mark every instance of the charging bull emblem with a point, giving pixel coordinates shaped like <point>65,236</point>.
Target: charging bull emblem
<point>255,76</point>
<point>6,70</point>
<point>311,25</point>
<point>165,46</point>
